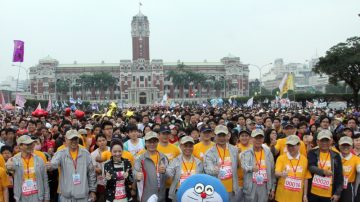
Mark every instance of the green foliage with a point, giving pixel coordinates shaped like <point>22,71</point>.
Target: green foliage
<point>342,63</point>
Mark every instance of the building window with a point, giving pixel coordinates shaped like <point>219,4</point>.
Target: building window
<point>141,78</point>
<point>133,78</point>
<point>149,78</point>
<point>125,78</point>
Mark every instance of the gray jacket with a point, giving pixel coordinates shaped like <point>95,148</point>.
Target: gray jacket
<point>247,164</point>
<point>41,178</point>
<point>84,168</point>
<point>144,164</point>
<point>174,171</point>
<point>211,160</point>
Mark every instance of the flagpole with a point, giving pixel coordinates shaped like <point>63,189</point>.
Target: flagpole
<point>17,81</point>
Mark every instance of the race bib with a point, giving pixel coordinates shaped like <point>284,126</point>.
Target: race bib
<point>293,184</point>
<point>260,177</point>
<point>158,180</point>
<point>184,176</point>
<point>225,171</point>
<point>76,179</point>
<point>29,187</point>
<point>120,192</point>
<point>321,182</point>
<point>346,181</point>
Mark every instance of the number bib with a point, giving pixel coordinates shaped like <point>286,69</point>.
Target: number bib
<point>293,184</point>
<point>260,177</point>
<point>183,177</point>
<point>76,179</point>
<point>346,181</point>
<point>321,182</point>
<point>158,179</point>
<point>29,187</point>
<point>120,192</point>
<point>225,171</point>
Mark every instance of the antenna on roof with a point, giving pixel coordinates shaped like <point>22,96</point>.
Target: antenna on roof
<point>140,4</point>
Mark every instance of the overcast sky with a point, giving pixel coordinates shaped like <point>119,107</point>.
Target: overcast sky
<point>258,31</point>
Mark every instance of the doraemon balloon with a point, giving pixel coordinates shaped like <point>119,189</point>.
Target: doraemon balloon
<point>201,187</point>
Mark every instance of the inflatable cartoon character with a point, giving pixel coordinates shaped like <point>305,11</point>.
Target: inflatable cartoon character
<point>203,188</point>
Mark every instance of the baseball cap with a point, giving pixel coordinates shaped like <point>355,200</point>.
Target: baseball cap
<point>205,128</point>
<point>70,134</point>
<point>221,129</point>
<point>186,139</point>
<point>165,129</point>
<point>292,140</point>
<point>150,135</point>
<point>88,126</point>
<point>345,140</point>
<point>82,132</point>
<point>24,139</point>
<point>257,132</point>
<point>289,126</point>
<point>244,131</point>
<point>324,134</point>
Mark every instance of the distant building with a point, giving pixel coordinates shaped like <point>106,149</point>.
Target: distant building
<point>140,80</point>
<point>305,79</point>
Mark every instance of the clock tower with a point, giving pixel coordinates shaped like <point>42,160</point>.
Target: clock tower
<point>140,37</point>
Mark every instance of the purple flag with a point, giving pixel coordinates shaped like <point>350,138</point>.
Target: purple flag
<point>18,51</point>
<point>20,100</point>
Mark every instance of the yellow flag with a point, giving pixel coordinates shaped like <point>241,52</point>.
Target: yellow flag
<point>289,84</point>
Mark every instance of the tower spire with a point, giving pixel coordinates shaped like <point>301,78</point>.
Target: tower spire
<point>140,4</point>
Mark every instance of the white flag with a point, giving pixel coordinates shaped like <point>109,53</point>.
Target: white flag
<point>39,106</point>
<point>250,102</point>
<point>48,108</point>
<point>282,83</point>
<point>20,100</point>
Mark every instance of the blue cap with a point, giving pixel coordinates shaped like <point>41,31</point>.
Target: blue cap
<point>165,129</point>
<point>205,128</point>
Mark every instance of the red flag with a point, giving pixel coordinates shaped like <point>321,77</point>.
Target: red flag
<point>48,108</point>
<point>20,100</point>
<point>18,55</point>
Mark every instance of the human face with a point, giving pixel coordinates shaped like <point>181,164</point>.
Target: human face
<point>151,145</point>
<point>6,154</point>
<point>22,124</point>
<point>164,137</point>
<point>97,130</point>
<point>268,123</point>
<point>302,129</point>
<point>347,132</point>
<point>10,136</point>
<point>195,135</point>
<point>293,149</point>
<point>351,124</point>
<point>258,120</point>
<point>116,152</point>
<point>27,148</point>
<point>289,131</point>
<point>258,141</point>
<point>324,144</point>
<point>101,142</point>
<point>147,129</point>
<point>276,124</point>
<point>31,128</point>
<point>133,134</point>
<point>273,135</point>
<point>241,121</point>
<point>325,123</point>
<point>187,148</point>
<point>206,135</point>
<point>221,139</point>
<point>108,131</point>
<point>74,143</point>
<point>345,149</point>
<point>244,138</point>
<point>295,121</point>
<point>357,143</point>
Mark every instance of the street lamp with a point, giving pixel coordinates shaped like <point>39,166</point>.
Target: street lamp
<point>27,75</point>
<point>260,68</point>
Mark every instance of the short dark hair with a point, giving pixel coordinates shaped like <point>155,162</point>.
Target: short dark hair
<point>6,148</point>
<point>116,141</point>
<point>99,136</point>
<point>106,123</point>
<point>131,127</point>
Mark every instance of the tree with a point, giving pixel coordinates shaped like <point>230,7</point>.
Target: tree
<point>342,63</point>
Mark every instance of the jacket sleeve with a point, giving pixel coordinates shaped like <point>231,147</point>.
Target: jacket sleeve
<point>200,167</point>
<point>246,163</point>
<point>313,161</point>
<point>210,163</point>
<point>137,166</point>
<point>171,168</point>
<point>55,161</point>
<point>272,165</point>
<point>91,175</point>
<point>46,184</point>
<point>338,175</point>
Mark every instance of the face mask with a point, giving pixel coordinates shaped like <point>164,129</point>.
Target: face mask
<point>37,147</point>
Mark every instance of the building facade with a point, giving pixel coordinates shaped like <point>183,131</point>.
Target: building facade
<point>138,81</point>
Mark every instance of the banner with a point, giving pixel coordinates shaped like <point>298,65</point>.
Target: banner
<point>20,100</point>
<point>49,106</point>
<point>18,55</point>
<point>250,102</point>
<point>288,85</point>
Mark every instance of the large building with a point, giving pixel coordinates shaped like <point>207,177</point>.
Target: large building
<point>140,80</point>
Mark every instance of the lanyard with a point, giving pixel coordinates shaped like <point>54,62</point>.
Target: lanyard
<point>222,158</point>
<point>323,165</point>
<point>294,170</point>
<point>157,162</point>
<point>258,163</point>
<point>192,164</point>
<point>75,161</point>
<point>27,162</point>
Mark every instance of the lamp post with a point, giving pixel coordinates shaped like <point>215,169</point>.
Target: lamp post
<point>260,68</point>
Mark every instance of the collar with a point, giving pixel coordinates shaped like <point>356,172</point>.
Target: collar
<point>291,158</point>
<point>346,158</point>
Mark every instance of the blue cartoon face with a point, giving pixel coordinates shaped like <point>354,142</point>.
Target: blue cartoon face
<point>201,187</point>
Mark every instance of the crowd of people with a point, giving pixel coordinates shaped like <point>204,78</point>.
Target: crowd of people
<point>146,153</point>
